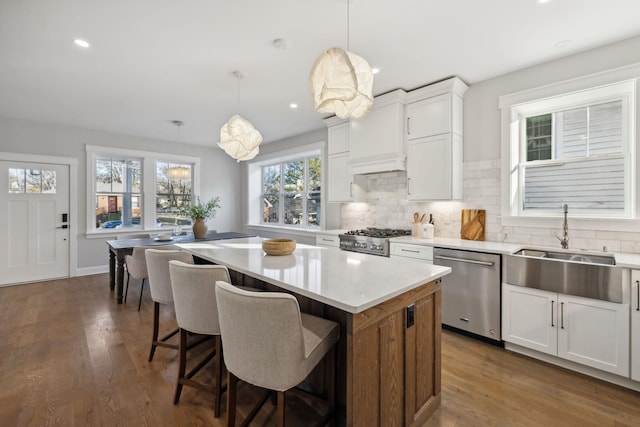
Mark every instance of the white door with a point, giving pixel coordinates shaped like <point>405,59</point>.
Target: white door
<point>594,333</point>
<point>530,318</point>
<point>34,221</point>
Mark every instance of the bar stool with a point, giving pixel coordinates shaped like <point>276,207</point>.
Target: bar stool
<point>270,344</point>
<point>161,292</point>
<point>194,297</point>
<point>136,267</point>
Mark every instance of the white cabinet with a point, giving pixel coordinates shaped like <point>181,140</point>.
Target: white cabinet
<point>434,168</point>
<point>328,240</point>
<point>529,318</point>
<point>377,140</point>
<point>434,142</point>
<point>417,252</point>
<point>434,116</point>
<point>341,185</point>
<point>590,332</point>
<point>635,325</point>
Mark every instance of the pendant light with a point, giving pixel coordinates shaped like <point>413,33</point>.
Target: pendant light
<point>342,82</point>
<point>178,172</point>
<point>238,137</point>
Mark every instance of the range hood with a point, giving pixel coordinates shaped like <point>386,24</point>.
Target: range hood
<point>377,140</point>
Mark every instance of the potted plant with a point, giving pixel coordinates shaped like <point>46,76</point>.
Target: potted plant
<point>199,212</point>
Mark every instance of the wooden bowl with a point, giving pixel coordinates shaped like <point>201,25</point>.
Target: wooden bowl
<point>279,246</point>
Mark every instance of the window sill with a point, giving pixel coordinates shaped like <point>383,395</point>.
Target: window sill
<point>288,230</point>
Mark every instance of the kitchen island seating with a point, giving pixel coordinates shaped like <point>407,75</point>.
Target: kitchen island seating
<point>161,292</point>
<point>269,343</point>
<point>194,298</point>
<point>136,267</point>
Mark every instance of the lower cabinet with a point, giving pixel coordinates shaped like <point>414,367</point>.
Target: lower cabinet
<point>635,325</point>
<point>590,332</point>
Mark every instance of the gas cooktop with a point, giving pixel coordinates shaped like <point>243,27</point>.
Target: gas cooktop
<point>374,241</point>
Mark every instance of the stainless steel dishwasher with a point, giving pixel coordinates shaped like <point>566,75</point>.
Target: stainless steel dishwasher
<point>471,293</point>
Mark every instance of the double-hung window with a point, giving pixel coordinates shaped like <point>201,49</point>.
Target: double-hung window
<point>576,149</point>
<point>137,190</point>
<point>291,192</point>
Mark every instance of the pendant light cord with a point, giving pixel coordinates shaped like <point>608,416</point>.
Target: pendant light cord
<point>348,2</point>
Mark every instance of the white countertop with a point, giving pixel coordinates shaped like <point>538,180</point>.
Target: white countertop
<point>625,260</point>
<point>471,245</point>
<point>350,281</point>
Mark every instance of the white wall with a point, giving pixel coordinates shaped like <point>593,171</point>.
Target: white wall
<point>386,198</point>
<point>220,175</point>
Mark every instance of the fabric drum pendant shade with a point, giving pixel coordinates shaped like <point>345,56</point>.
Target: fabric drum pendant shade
<point>342,83</point>
<point>239,139</point>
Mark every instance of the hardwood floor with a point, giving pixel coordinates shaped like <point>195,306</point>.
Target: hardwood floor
<point>70,356</point>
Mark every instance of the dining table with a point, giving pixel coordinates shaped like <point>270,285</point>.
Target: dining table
<point>120,248</point>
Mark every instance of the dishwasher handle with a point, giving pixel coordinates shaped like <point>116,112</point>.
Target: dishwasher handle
<point>468,261</point>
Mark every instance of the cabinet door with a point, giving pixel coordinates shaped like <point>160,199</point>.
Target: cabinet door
<point>338,138</point>
<point>339,180</point>
<point>327,240</point>
<point>418,252</point>
<point>529,318</point>
<point>635,325</point>
<point>594,333</point>
<point>429,117</point>
<point>434,168</point>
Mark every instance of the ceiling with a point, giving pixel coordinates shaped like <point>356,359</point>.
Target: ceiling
<point>154,61</point>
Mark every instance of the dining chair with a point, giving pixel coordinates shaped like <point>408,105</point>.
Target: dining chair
<point>136,265</point>
<point>194,297</point>
<point>161,292</point>
<point>269,343</point>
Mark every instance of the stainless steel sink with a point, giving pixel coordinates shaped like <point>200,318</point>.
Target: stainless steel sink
<point>572,273</point>
<point>569,256</point>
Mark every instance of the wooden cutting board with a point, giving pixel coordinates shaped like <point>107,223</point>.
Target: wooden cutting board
<point>472,224</point>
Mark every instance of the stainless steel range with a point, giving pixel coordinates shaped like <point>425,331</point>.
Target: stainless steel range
<point>374,241</point>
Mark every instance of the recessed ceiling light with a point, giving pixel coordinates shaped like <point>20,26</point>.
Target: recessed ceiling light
<point>562,43</point>
<point>375,70</point>
<point>293,105</point>
<point>543,1</point>
<point>82,43</point>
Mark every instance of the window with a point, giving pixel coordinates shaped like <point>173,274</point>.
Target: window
<point>32,181</point>
<point>124,185</point>
<point>576,149</point>
<point>173,192</point>
<point>291,192</point>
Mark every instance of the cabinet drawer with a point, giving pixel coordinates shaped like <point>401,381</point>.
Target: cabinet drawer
<point>327,240</point>
<point>412,251</point>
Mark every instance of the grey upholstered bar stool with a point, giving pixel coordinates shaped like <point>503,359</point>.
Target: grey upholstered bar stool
<point>137,268</point>
<point>269,343</point>
<point>194,298</point>
<point>161,292</point>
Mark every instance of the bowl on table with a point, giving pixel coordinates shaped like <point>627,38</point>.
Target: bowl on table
<point>279,246</point>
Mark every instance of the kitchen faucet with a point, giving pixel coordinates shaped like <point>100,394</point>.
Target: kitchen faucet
<point>564,241</point>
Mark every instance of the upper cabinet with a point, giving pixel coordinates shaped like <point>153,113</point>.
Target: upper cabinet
<point>377,140</point>
<point>342,186</point>
<point>434,141</point>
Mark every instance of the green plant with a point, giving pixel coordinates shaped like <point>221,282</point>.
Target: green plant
<point>201,210</point>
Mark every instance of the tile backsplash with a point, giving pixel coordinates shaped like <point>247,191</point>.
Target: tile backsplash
<point>387,206</point>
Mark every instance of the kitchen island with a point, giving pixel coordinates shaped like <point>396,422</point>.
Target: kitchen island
<point>388,370</point>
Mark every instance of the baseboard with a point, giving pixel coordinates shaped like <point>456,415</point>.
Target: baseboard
<point>88,271</point>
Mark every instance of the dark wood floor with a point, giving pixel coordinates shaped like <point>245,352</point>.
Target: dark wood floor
<point>70,356</point>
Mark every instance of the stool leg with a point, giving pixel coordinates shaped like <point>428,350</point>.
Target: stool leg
<point>280,409</point>
<point>156,321</point>
<point>331,384</point>
<point>182,366</point>
<point>217,363</point>
<point>126,290</point>
<point>232,383</point>
<point>141,290</point>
